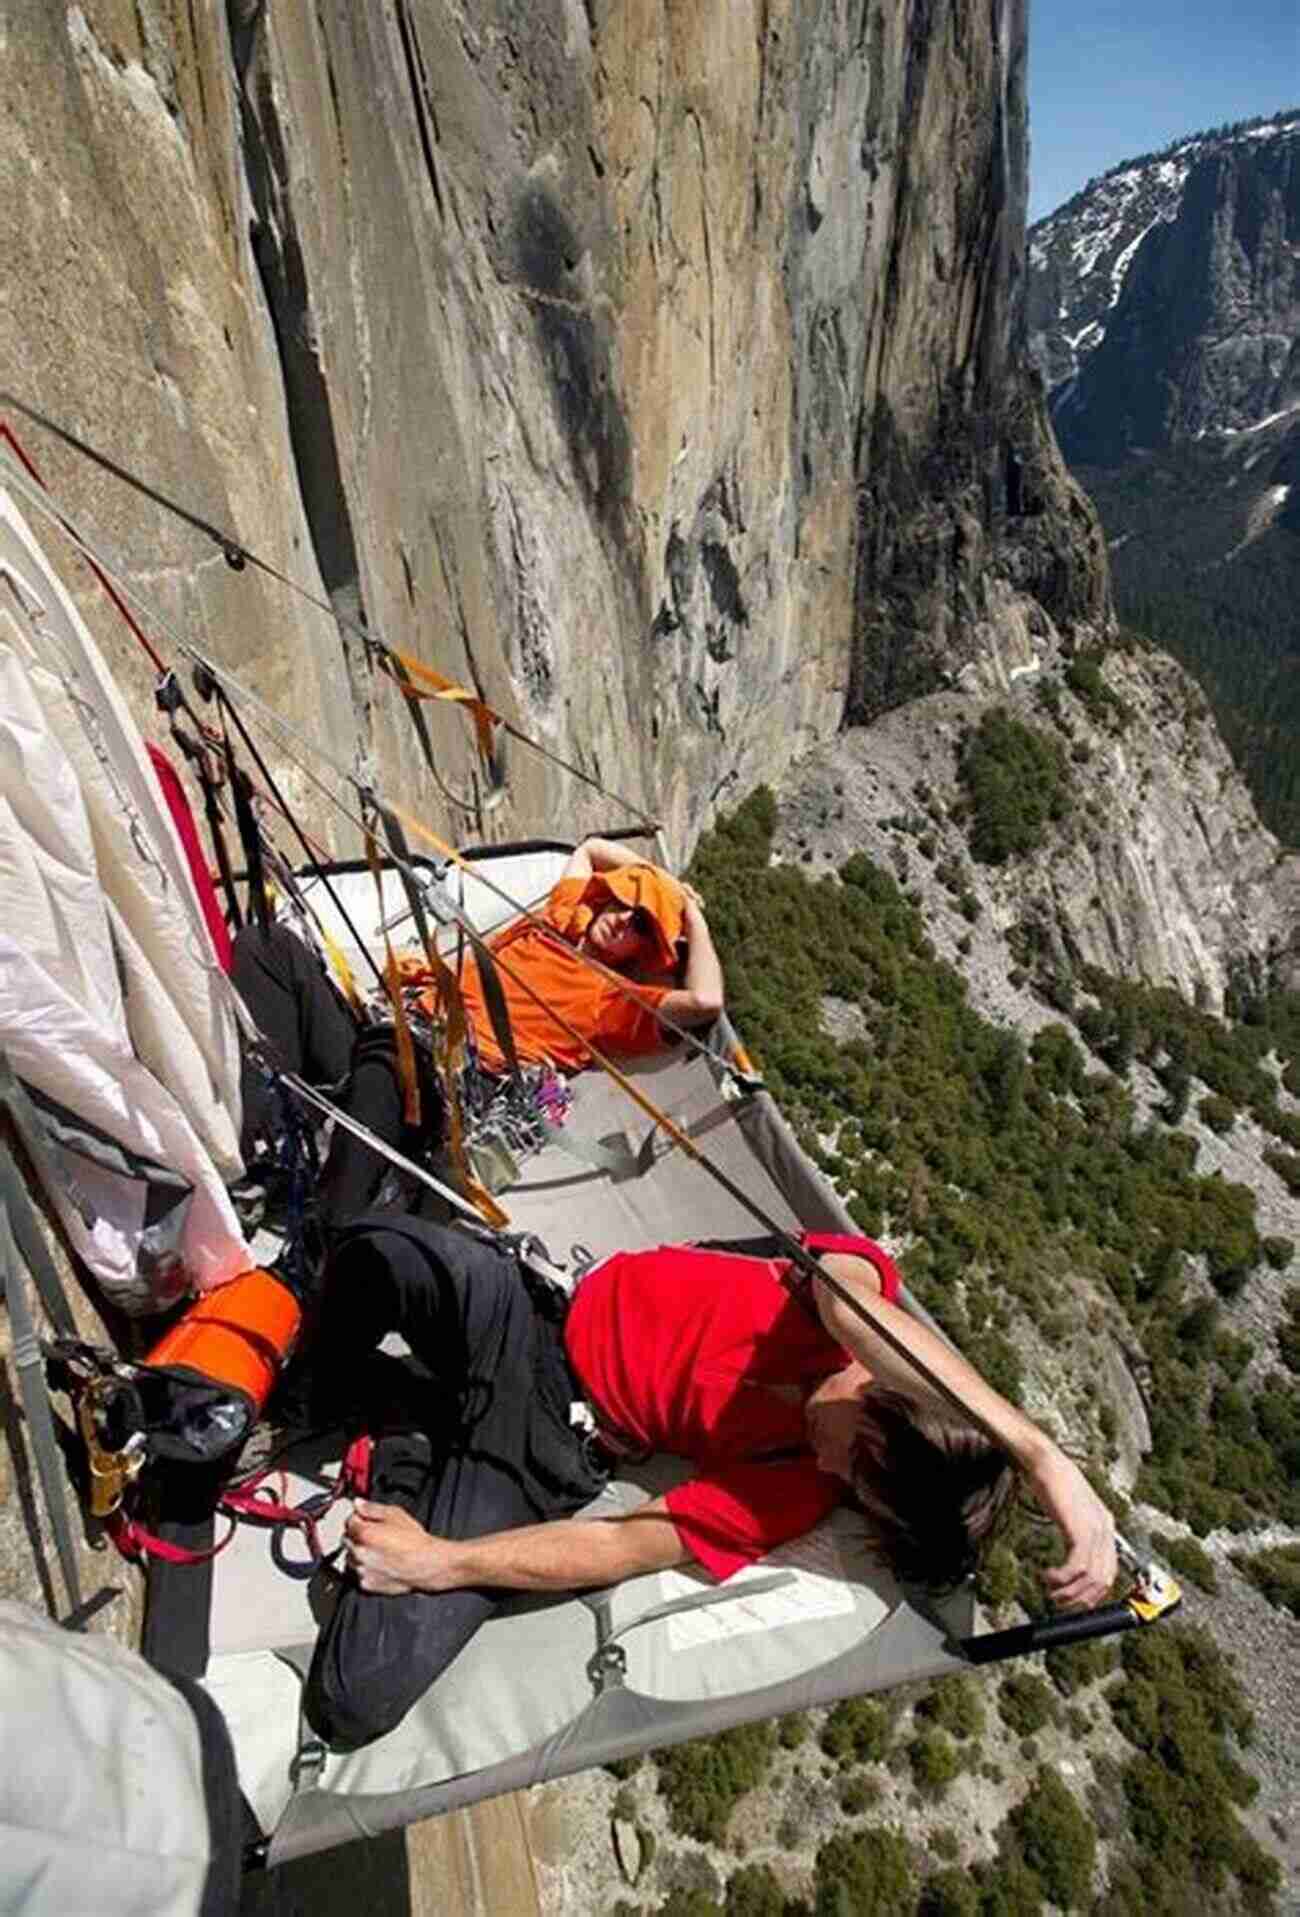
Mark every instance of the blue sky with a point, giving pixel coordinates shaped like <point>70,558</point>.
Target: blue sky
<point>1114,78</point>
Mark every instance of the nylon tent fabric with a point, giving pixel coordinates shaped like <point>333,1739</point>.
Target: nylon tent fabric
<point>141,863</point>
<point>64,951</point>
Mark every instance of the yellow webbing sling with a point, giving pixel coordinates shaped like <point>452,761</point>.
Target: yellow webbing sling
<point>416,681</point>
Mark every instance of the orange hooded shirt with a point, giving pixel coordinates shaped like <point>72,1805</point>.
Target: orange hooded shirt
<point>592,1004</point>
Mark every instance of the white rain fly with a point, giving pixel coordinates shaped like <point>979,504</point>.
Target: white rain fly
<point>112,1006</point>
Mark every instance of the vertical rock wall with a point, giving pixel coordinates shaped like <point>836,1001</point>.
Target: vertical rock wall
<point>653,367</point>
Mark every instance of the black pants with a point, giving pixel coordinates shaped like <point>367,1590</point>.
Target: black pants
<point>311,1030</point>
<point>503,1451</point>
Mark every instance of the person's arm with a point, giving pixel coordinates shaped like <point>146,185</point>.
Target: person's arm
<point>1058,1484</point>
<point>600,855</point>
<point>391,1553</point>
<point>701,995</point>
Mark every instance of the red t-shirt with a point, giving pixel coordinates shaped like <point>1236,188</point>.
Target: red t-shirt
<point>678,1347</point>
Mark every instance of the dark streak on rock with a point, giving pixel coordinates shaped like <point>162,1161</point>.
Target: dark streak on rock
<point>243,17</point>
<point>546,245</point>
<point>280,262</point>
<point>677,565</point>
<point>576,354</point>
<point>426,120</point>
<point>724,582</point>
<point>198,64</point>
<point>707,704</point>
<point>331,79</point>
<point>665,621</point>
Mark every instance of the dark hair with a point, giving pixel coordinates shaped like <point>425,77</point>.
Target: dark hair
<point>934,1490</point>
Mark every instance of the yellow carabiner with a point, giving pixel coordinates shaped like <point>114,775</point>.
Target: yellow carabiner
<point>110,1471</point>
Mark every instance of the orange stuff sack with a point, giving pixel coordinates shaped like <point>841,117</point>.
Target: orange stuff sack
<point>206,1380</point>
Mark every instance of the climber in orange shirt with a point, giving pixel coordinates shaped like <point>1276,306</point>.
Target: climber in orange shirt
<point>608,906</point>
<point>632,917</point>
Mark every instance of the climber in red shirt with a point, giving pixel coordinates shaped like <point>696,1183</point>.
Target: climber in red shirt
<point>782,1399</point>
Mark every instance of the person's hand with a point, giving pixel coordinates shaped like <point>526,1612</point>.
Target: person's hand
<point>391,1553</point>
<point>1088,1572</point>
<point>692,895</point>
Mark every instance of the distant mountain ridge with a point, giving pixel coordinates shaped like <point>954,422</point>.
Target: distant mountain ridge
<point>1088,259</point>
<point>1163,307</point>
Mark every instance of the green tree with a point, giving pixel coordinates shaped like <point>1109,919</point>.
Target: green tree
<point>1288,1331</point>
<point>1186,1557</point>
<point>950,1893</point>
<point>1072,1667</point>
<point>954,1704</point>
<point>1008,1888</point>
<point>859,1729</point>
<point>1056,1840</point>
<point>867,1874</point>
<point>935,1762</point>
<point>1025,1703</point>
<point>1018,782</point>
<point>1277,1574</point>
<point>702,1782</point>
<point>689,1902</point>
<point>755,1891</point>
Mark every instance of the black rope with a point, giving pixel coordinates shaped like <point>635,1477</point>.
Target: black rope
<point>318,870</point>
<point>299,1165</point>
<point>236,553</point>
<point>493,997</point>
<point>241,792</point>
<point>169,697</point>
<point>196,755</point>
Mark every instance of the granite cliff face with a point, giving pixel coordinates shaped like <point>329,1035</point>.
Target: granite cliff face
<point>1161,872</point>
<point>654,368</point>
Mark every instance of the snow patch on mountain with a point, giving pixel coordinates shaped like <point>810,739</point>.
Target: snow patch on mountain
<point>1080,255</point>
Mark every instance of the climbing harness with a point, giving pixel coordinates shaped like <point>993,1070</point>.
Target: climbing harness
<point>259,1498</point>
